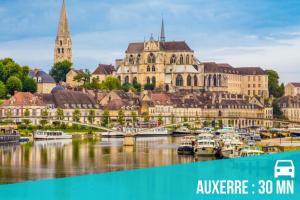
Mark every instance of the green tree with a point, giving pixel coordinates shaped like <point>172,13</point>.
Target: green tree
<point>173,121</point>
<point>146,117</point>
<point>95,84</point>
<point>111,83</point>
<point>76,115</point>
<point>60,70</point>
<point>13,84</point>
<point>277,113</point>
<point>91,116</point>
<point>105,118</point>
<point>29,85</point>
<point>160,119</point>
<point>134,118</point>
<point>84,77</point>
<point>27,114</point>
<point>137,86</point>
<point>60,114</point>
<point>149,86</point>
<point>9,113</point>
<point>3,91</point>
<point>121,117</point>
<point>44,115</point>
<point>275,89</point>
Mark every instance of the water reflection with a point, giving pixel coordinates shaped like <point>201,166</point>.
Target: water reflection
<point>49,159</point>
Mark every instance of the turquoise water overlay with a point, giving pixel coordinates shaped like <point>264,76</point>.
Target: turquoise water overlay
<point>166,183</point>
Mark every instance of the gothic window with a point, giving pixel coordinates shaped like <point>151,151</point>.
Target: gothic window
<point>153,68</point>
<point>138,58</point>
<point>187,59</point>
<point>215,81</point>
<point>62,50</point>
<point>181,60</point>
<point>148,68</point>
<point>151,58</point>
<point>153,80</point>
<point>131,60</point>
<point>189,80</point>
<point>173,59</point>
<point>195,80</point>
<point>148,80</point>
<point>58,50</point>
<point>60,42</point>
<point>179,80</point>
<point>126,79</point>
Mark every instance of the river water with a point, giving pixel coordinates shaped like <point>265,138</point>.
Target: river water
<point>61,158</point>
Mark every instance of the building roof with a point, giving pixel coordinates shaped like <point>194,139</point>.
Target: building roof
<point>23,99</point>
<point>175,46</point>
<point>295,84</point>
<point>212,67</point>
<point>43,76</point>
<point>251,71</point>
<point>103,69</point>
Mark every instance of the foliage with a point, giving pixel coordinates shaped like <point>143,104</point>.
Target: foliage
<point>60,114</point>
<point>160,119</point>
<point>135,86</point>
<point>111,83</point>
<point>277,113</point>
<point>275,89</point>
<point>134,118</point>
<point>121,117</point>
<point>13,84</point>
<point>44,115</point>
<point>149,86</point>
<point>95,84</point>
<point>76,115</point>
<point>3,91</point>
<point>84,77</point>
<point>9,113</point>
<point>220,123</point>
<point>146,117</point>
<point>29,85</point>
<point>27,114</point>
<point>91,116</point>
<point>60,70</point>
<point>105,118</point>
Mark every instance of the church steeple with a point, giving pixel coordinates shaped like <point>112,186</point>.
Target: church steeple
<point>63,43</point>
<point>162,31</point>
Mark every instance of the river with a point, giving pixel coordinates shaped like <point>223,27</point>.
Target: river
<point>39,160</point>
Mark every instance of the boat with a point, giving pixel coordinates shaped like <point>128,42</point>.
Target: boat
<point>153,132</point>
<point>181,131</point>
<point>9,134</point>
<point>24,139</point>
<point>186,145</point>
<point>206,145</point>
<point>229,151</point>
<point>295,131</point>
<point>205,130</point>
<point>271,149</point>
<point>250,151</point>
<point>137,132</point>
<point>48,135</point>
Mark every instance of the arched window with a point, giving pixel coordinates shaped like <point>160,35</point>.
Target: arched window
<point>187,59</point>
<point>60,42</point>
<point>153,68</point>
<point>209,80</point>
<point>131,61</point>
<point>151,58</point>
<point>215,81</point>
<point>173,59</point>
<point>179,80</point>
<point>148,80</point>
<point>181,60</point>
<point>134,80</point>
<point>189,81</point>
<point>195,80</point>
<point>153,80</point>
<point>126,79</point>
<point>62,50</point>
<point>58,50</point>
<point>138,58</point>
<point>148,68</point>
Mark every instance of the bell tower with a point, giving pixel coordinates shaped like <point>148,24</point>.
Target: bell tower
<point>63,42</point>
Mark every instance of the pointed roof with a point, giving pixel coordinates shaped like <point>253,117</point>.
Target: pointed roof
<point>63,26</point>
<point>162,32</point>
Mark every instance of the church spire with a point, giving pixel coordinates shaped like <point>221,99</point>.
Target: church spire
<point>63,42</point>
<point>162,31</point>
<point>63,26</point>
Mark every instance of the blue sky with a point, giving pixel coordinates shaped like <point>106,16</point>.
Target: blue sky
<point>240,32</point>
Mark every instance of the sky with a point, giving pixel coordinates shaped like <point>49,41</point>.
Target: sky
<point>243,33</point>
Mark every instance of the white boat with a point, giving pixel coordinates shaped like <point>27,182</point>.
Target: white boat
<point>50,135</point>
<point>229,151</point>
<point>182,131</point>
<point>136,132</point>
<point>153,132</point>
<point>186,146</point>
<point>295,131</point>
<point>206,145</point>
<point>204,130</point>
<point>250,151</point>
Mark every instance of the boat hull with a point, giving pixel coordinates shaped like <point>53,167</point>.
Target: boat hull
<point>185,150</point>
<point>9,139</point>
<point>205,151</point>
<point>40,137</point>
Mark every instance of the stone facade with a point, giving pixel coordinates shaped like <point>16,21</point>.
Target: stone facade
<point>103,71</point>
<point>292,89</point>
<point>290,106</point>
<point>63,42</point>
<point>70,78</point>
<point>45,83</point>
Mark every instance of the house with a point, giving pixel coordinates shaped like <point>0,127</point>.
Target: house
<point>292,89</point>
<point>70,78</point>
<point>45,82</point>
<point>103,71</point>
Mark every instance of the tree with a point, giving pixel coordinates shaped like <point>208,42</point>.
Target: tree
<point>146,117</point>
<point>29,85</point>
<point>95,84</point>
<point>27,114</point>
<point>84,77</point>
<point>160,119</point>
<point>60,70</point>
<point>9,113</point>
<point>60,114</point>
<point>105,118</point>
<point>137,86</point>
<point>149,86</point>
<point>111,83</point>
<point>273,80</point>
<point>44,115</point>
<point>121,117</point>
<point>134,118</point>
<point>13,84</point>
<point>277,113</point>
<point>91,116</point>
<point>3,91</point>
<point>76,115</point>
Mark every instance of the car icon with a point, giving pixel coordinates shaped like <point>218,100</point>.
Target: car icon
<point>284,168</point>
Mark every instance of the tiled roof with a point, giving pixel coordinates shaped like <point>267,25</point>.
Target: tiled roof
<point>295,84</point>
<point>104,69</point>
<point>23,99</point>
<point>176,46</point>
<point>212,67</point>
<point>45,78</point>
<point>251,71</point>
